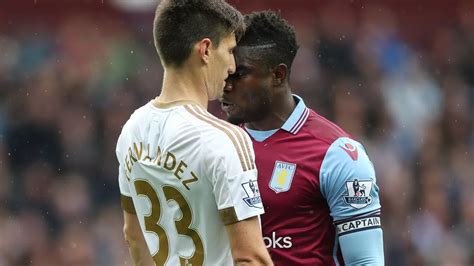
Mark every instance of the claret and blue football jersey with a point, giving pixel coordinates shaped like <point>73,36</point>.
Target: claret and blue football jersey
<point>318,186</point>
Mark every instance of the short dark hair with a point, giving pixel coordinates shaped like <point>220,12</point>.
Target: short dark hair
<point>268,30</point>
<point>179,24</point>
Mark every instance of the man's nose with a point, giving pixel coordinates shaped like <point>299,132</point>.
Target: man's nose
<point>231,69</point>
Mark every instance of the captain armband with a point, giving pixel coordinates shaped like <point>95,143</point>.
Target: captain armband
<point>359,224</point>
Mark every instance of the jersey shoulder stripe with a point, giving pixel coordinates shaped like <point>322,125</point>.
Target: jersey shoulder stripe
<point>234,133</point>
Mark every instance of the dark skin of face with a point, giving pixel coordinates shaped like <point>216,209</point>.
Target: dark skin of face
<point>255,94</point>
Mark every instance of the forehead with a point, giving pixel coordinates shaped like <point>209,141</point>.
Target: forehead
<point>228,41</point>
<point>245,55</point>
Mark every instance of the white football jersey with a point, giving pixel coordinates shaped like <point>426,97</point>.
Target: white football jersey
<point>186,174</point>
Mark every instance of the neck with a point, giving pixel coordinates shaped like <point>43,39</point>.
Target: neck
<point>183,84</point>
<point>282,106</point>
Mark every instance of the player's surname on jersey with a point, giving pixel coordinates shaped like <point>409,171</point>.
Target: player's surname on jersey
<point>166,160</point>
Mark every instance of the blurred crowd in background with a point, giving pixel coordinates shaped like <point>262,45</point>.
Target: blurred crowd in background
<point>69,79</point>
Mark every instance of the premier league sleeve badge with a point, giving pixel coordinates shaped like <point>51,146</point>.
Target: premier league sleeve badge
<point>358,193</point>
<point>253,198</point>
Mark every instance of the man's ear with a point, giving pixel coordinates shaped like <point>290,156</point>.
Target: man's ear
<point>280,73</point>
<point>204,47</point>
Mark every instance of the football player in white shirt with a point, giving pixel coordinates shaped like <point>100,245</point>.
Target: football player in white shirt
<point>187,179</point>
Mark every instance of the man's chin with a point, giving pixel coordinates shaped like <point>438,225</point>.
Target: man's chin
<point>234,120</point>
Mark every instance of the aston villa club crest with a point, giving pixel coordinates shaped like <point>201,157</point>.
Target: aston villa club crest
<point>282,176</point>
<point>358,193</point>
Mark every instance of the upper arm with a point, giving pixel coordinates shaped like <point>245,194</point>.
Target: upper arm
<point>136,242</point>
<point>131,225</point>
<point>348,183</point>
<point>246,242</point>
<point>234,177</point>
<point>243,232</point>
<point>126,201</point>
<point>370,253</point>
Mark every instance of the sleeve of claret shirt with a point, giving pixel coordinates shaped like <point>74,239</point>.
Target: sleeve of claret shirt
<point>234,175</point>
<point>348,182</point>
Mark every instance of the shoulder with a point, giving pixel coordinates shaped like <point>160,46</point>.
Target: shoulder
<point>345,160</point>
<point>348,180</point>
<point>345,150</point>
<point>136,119</point>
<point>221,138</point>
<point>323,129</point>
<point>132,125</point>
<point>213,129</point>
<point>343,154</point>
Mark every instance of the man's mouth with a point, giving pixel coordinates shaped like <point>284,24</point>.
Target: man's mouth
<point>226,106</point>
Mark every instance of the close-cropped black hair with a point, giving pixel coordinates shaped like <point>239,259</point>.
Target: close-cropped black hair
<point>272,36</point>
<point>179,24</point>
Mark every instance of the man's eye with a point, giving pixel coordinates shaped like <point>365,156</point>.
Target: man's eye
<point>239,74</point>
<point>236,75</point>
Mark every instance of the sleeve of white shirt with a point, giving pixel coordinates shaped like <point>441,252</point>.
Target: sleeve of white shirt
<point>126,201</point>
<point>234,176</point>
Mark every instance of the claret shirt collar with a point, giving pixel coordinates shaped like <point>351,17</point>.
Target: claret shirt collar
<point>297,118</point>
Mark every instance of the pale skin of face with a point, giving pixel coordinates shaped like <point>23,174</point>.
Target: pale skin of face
<point>221,65</point>
<point>202,77</point>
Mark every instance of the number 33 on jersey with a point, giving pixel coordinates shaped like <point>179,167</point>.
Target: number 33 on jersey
<point>186,181</point>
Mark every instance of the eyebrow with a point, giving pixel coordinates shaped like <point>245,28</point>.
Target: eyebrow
<point>242,68</point>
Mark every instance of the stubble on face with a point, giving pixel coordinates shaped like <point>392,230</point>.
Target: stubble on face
<point>224,63</point>
<point>254,107</point>
<point>251,92</point>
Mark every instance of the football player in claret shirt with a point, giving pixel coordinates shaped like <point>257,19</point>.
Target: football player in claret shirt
<point>317,183</point>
